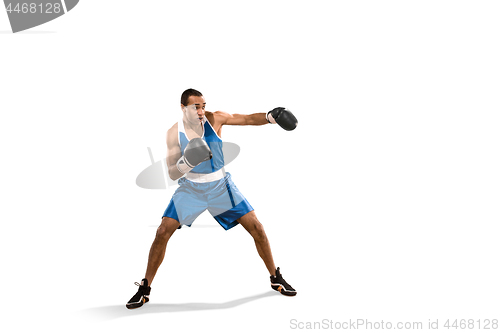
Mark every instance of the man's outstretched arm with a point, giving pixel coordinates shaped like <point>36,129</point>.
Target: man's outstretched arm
<point>280,116</point>
<point>255,119</point>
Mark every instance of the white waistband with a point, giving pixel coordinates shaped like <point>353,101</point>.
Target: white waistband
<point>205,177</point>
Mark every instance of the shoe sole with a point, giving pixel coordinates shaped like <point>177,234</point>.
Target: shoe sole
<point>132,306</point>
<point>282,290</point>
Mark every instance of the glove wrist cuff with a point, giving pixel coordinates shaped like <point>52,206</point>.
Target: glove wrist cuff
<point>183,166</point>
<point>270,118</point>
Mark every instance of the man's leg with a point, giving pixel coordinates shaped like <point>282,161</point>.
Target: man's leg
<point>157,252</point>
<point>250,222</point>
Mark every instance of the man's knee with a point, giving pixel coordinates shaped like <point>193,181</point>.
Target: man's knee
<point>260,234</point>
<point>257,231</point>
<point>167,228</point>
<point>253,226</point>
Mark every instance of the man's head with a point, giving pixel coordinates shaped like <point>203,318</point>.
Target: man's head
<point>193,105</point>
<point>188,93</point>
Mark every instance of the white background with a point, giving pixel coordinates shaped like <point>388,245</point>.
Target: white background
<point>381,205</point>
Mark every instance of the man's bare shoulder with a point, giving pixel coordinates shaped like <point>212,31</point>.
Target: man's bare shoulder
<point>172,134</point>
<point>217,117</point>
<point>221,114</point>
<point>173,128</point>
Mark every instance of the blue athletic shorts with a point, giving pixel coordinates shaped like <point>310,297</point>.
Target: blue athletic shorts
<point>222,199</point>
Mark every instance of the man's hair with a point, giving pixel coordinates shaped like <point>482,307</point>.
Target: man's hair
<point>188,93</point>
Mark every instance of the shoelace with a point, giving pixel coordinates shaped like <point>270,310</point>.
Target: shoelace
<point>283,282</point>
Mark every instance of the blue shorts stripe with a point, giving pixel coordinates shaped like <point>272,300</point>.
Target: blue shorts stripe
<point>228,219</point>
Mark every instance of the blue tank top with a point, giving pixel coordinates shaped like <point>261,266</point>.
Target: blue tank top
<point>214,142</point>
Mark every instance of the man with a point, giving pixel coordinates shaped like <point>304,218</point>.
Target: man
<point>195,154</point>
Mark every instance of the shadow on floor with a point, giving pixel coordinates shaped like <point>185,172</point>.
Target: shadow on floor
<point>118,311</point>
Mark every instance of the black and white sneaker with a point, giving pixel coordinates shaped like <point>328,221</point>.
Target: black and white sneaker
<point>279,284</point>
<point>141,297</point>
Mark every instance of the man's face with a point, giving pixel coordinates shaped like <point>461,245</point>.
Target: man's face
<point>195,110</point>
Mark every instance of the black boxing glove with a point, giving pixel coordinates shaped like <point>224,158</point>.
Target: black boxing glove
<point>282,117</point>
<point>196,152</point>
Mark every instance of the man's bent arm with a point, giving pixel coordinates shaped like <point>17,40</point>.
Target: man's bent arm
<point>173,154</point>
